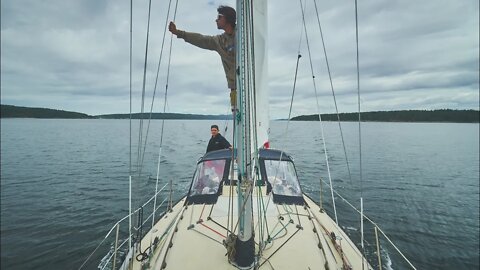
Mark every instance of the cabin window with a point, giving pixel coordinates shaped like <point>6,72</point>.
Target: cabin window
<point>281,175</point>
<point>207,177</point>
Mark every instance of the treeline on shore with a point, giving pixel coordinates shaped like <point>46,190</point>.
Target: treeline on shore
<point>10,111</point>
<point>446,115</point>
<point>167,116</point>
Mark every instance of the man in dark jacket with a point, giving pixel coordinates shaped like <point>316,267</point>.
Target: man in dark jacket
<point>217,141</point>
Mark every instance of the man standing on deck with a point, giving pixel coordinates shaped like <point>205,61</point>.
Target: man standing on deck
<point>217,142</point>
<point>223,44</point>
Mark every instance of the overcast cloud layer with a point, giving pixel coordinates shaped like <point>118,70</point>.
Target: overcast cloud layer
<point>74,55</point>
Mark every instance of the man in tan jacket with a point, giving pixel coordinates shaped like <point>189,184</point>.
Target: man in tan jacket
<point>223,44</point>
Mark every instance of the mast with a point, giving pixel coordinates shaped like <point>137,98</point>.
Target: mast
<point>244,245</point>
<point>251,126</point>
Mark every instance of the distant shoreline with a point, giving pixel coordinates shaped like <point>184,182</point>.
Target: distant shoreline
<point>422,116</point>
<point>11,111</point>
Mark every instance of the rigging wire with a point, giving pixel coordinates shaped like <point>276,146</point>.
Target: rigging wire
<point>358,101</point>
<point>164,106</point>
<point>158,71</point>
<point>130,144</point>
<point>294,82</point>
<point>251,25</point>
<point>359,133</point>
<point>291,106</point>
<point>140,133</point>
<point>253,98</point>
<point>141,153</point>
<point>256,169</point>
<point>285,134</point>
<point>142,108</point>
<point>225,123</point>
<point>318,110</point>
<point>333,91</point>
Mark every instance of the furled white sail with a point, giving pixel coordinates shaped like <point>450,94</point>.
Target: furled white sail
<point>261,72</point>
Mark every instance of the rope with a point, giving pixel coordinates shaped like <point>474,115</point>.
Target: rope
<point>142,107</point>
<point>232,165</point>
<point>248,189</point>
<point>318,110</point>
<point>140,228</point>
<point>358,98</point>
<point>291,236</point>
<point>201,214</point>
<point>265,213</point>
<point>140,164</point>
<point>218,224</point>
<point>201,223</point>
<point>155,86</point>
<point>254,86</point>
<point>229,243</point>
<point>338,247</point>
<point>374,224</point>
<point>254,126</point>
<point>259,218</point>
<point>311,217</point>
<point>294,87</point>
<point>284,228</point>
<point>164,110</point>
<point>333,92</point>
<point>204,234</point>
<point>130,141</point>
<point>225,123</point>
<point>298,216</point>
<point>230,195</point>
<point>290,107</point>
<point>211,210</point>
<point>293,94</point>
<point>359,129</point>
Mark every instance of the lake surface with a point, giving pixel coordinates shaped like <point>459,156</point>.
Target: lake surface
<point>64,183</point>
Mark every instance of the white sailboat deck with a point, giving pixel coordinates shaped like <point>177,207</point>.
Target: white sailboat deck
<point>191,237</point>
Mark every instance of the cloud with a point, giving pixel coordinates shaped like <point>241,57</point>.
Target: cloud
<point>75,56</point>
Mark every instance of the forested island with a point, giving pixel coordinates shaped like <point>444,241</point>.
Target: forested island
<point>10,111</point>
<point>167,116</point>
<point>454,116</point>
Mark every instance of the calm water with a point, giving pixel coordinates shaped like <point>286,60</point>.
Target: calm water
<point>64,183</point>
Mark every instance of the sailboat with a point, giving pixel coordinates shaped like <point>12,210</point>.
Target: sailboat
<point>245,208</point>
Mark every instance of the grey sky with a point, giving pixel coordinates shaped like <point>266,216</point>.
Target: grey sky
<point>74,55</point>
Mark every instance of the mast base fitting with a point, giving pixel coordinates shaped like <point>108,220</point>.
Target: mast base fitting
<point>244,257</point>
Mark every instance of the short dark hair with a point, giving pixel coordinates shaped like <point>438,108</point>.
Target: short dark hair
<point>214,126</point>
<point>229,14</point>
